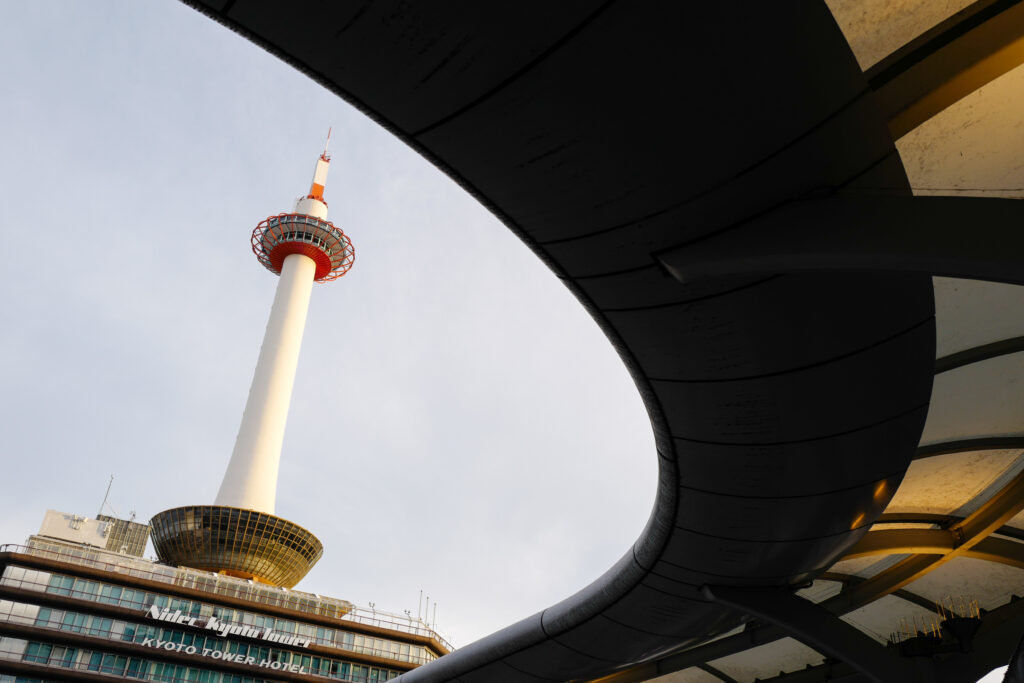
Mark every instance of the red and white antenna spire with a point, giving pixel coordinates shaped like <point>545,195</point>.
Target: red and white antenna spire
<point>301,247</point>
<point>313,204</point>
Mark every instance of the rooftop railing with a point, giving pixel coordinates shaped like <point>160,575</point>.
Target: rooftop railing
<point>218,584</point>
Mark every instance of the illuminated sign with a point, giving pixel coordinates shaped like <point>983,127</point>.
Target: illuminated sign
<point>225,629</point>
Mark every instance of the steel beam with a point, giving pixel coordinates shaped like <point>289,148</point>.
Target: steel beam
<point>833,672</point>
<point>999,630</point>
<point>977,354</point>
<point>903,594</point>
<point>720,675</point>
<point>969,532</point>
<point>999,550</point>
<point>945,64</point>
<point>903,542</point>
<point>815,626</point>
<point>943,521</point>
<point>936,542</point>
<point>988,443</point>
<point>977,238</point>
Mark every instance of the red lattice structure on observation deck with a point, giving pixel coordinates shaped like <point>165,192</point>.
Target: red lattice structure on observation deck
<point>294,233</point>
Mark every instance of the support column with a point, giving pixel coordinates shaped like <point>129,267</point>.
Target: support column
<point>251,478</point>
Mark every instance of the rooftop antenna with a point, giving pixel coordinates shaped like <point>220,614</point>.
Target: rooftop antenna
<point>106,495</point>
<point>326,145</point>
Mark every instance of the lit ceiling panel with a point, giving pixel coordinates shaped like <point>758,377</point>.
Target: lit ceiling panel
<point>943,484</point>
<point>875,28</point>
<point>973,146</point>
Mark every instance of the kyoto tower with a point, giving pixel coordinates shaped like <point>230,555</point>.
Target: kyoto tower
<point>239,535</point>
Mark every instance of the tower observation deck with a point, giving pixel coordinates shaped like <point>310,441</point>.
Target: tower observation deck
<point>239,534</point>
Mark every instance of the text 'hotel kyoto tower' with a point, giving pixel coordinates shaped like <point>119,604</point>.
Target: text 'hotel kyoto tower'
<point>239,534</point>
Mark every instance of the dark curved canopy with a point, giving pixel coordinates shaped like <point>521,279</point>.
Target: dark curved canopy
<point>716,184</point>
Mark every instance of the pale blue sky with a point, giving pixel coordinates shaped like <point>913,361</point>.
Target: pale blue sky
<point>459,424</point>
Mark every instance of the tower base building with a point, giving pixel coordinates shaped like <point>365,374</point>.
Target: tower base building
<point>72,609</point>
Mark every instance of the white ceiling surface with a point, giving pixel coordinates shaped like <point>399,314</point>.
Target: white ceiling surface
<point>888,615</point>
<point>786,655</point>
<point>977,400</point>
<point>970,313</point>
<point>991,584</point>
<point>820,590</point>
<point>693,675</point>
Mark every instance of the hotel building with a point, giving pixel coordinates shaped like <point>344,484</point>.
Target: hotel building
<point>75,608</point>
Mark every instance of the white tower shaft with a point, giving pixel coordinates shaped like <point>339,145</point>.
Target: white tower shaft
<point>251,478</point>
